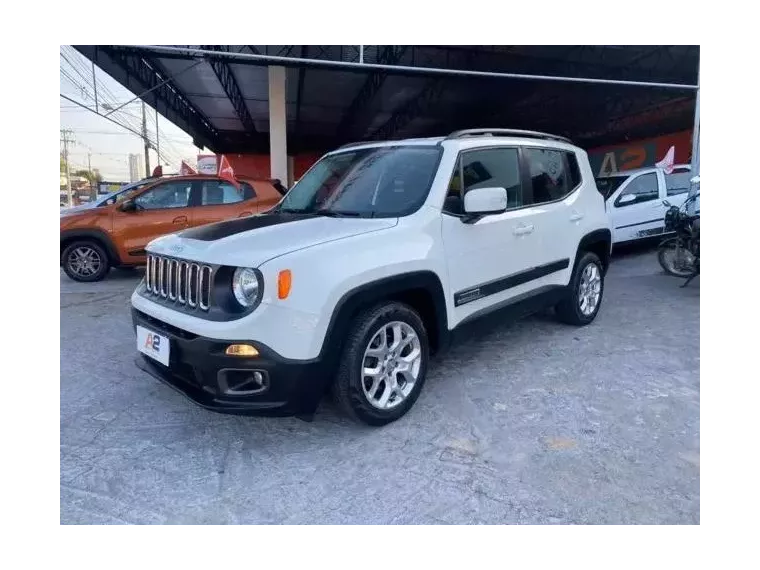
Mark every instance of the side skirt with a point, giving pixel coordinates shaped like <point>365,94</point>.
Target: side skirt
<point>508,311</point>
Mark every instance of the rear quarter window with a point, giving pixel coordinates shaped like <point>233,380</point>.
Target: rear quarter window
<point>678,182</point>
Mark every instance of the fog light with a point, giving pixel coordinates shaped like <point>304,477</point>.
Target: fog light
<point>241,350</point>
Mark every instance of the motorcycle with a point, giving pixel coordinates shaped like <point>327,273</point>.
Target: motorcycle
<point>679,255</point>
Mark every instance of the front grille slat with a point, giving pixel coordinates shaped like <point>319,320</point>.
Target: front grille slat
<point>179,282</point>
<point>173,265</point>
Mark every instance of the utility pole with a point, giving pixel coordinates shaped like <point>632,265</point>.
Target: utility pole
<point>158,147</point>
<point>89,169</point>
<point>145,139</point>
<point>66,140</point>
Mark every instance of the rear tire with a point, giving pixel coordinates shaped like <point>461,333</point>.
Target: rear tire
<point>390,339</point>
<point>585,291</point>
<point>85,261</point>
<point>667,254</point>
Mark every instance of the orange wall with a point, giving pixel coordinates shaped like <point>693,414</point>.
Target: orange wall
<point>302,163</point>
<point>641,153</point>
<point>257,165</point>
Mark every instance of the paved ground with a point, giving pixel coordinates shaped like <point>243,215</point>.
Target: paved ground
<point>532,422</point>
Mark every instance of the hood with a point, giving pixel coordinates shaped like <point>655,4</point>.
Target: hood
<point>253,240</point>
<point>77,209</point>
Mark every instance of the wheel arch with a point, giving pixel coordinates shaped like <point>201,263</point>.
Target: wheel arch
<point>599,242</point>
<point>422,290</point>
<point>99,236</point>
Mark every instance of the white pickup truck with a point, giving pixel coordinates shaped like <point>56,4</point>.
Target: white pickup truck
<point>634,200</point>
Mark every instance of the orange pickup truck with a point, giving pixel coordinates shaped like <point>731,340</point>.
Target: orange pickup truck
<point>96,239</point>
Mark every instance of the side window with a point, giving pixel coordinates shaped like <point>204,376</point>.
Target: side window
<point>248,191</point>
<point>643,187</point>
<point>169,195</point>
<point>217,192</point>
<point>487,168</point>
<point>574,170</point>
<point>678,182</point>
<point>548,176</point>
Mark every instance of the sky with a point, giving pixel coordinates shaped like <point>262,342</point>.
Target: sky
<point>108,144</point>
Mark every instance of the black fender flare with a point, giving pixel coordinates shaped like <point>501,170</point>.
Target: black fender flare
<point>592,242</point>
<point>395,287</point>
<point>99,235</point>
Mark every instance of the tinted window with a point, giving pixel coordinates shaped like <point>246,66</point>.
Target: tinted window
<point>216,192</point>
<point>548,176</point>
<point>169,195</point>
<point>607,186</point>
<point>574,170</point>
<point>493,167</point>
<point>678,182</point>
<point>381,181</point>
<point>643,187</point>
<point>248,191</point>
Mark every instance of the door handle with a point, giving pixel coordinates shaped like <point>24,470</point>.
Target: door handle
<point>180,220</point>
<point>576,217</point>
<point>523,230</point>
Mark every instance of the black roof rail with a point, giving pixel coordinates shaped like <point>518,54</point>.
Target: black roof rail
<point>508,133</point>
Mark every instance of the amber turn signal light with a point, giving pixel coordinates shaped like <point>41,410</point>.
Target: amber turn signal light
<point>241,350</point>
<point>284,280</point>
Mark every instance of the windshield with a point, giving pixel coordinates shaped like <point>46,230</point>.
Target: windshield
<point>369,182</point>
<point>120,195</point>
<point>607,186</point>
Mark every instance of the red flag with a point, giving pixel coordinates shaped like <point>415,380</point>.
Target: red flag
<point>226,172</point>
<point>185,169</point>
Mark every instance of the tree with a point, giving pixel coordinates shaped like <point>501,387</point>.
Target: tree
<point>91,176</point>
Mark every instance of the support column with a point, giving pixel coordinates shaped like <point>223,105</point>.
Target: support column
<point>278,146</point>
<point>698,135</point>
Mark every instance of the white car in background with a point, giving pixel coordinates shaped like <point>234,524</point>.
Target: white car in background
<point>634,200</point>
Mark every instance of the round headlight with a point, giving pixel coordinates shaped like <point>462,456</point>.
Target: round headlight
<point>246,286</point>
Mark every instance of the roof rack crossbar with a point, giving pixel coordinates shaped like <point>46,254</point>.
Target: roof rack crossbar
<point>506,132</point>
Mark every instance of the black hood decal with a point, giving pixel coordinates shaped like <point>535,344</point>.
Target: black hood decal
<point>222,230</point>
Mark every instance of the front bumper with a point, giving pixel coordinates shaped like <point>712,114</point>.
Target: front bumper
<point>200,370</point>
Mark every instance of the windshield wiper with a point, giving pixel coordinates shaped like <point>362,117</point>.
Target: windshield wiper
<point>340,213</point>
<point>294,211</point>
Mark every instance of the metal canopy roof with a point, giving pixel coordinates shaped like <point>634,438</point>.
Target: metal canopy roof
<point>220,95</point>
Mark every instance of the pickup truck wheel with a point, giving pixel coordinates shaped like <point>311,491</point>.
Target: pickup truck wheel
<point>85,261</point>
<point>584,296</point>
<point>383,364</point>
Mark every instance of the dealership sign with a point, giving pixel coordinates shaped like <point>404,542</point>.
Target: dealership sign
<point>641,154</point>
<point>206,164</point>
<point>623,158</point>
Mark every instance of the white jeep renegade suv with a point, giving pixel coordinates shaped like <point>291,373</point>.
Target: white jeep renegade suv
<point>368,266</point>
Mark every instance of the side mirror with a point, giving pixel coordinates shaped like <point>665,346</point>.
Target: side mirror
<point>483,201</point>
<point>128,206</point>
<point>627,199</point>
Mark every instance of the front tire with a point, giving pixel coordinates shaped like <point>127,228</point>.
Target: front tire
<point>584,296</point>
<point>85,261</point>
<point>383,364</point>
